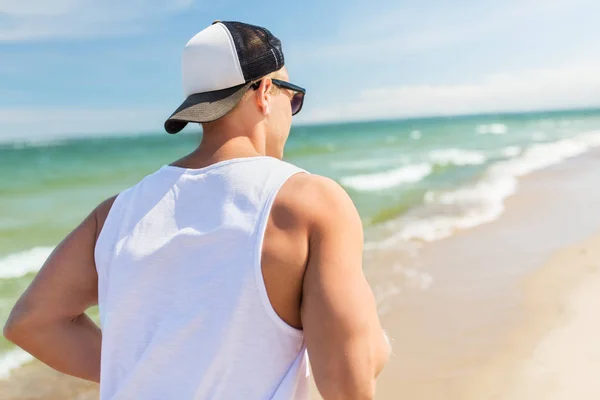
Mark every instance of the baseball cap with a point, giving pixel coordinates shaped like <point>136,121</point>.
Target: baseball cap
<point>219,64</point>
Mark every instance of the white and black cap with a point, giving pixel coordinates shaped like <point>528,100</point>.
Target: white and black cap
<point>219,65</point>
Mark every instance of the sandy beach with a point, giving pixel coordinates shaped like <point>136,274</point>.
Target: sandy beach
<point>35,381</point>
<point>507,299</point>
<point>565,363</point>
<point>509,310</point>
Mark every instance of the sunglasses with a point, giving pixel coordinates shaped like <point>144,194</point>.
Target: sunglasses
<point>297,99</point>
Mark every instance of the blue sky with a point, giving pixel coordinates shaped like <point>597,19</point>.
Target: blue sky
<point>101,66</point>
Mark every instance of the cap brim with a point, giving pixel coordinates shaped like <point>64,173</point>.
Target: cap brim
<point>205,107</point>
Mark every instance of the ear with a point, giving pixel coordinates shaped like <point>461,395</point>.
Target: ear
<point>264,96</point>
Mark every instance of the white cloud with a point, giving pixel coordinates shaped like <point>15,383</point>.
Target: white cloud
<point>40,19</point>
<point>569,86</point>
<point>36,7</point>
<point>404,31</point>
<point>46,123</point>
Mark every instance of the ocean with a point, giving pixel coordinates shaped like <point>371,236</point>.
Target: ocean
<point>413,181</point>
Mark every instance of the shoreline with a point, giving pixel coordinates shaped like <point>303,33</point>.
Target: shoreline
<point>491,302</point>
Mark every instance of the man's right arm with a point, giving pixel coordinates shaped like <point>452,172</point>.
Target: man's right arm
<point>346,345</point>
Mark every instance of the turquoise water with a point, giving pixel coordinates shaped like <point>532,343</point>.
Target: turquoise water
<point>412,180</point>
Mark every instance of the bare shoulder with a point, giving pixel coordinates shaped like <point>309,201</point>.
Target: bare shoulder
<point>315,202</point>
<point>316,199</point>
<point>100,213</point>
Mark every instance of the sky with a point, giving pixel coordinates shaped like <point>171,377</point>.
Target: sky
<point>82,67</point>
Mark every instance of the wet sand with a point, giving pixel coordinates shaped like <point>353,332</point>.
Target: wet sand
<point>36,381</point>
<point>565,363</point>
<point>498,290</point>
<point>506,310</point>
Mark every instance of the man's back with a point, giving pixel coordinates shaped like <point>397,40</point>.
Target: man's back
<point>181,291</point>
<point>195,301</point>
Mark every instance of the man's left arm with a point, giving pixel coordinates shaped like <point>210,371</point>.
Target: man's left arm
<point>49,319</point>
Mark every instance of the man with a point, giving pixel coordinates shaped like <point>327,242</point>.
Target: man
<point>218,273</point>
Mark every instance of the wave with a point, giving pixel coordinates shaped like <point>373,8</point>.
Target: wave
<point>20,144</point>
<point>416,135</point>
<point>369,163</point>
<point>11,360</point>
<point>20,264</point>
<point>444,213</point>
<point>457,157</point>
<point>387,179</point>
<point>492,129</point>
<point>544,155</point>
<point>460,209</point>
<point>511,151</point>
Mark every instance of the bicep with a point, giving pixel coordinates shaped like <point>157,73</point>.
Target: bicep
<point>339,314</point>
<point>67,283</point>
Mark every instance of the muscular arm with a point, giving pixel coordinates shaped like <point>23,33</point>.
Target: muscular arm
<point>48,320</point>
<point>346,345</point>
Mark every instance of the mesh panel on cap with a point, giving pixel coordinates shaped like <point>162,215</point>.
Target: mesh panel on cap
<point>258,50</point>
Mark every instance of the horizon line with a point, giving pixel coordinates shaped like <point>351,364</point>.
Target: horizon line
<point>116,134</point>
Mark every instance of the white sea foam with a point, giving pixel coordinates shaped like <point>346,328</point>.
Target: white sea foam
<point>457,157</point>
<point>511,151</point>
<point>415,135</point>
<point>387,179</point>
<point>492,129</point>
<point>11,360</point>
<point>543,155</point>
<point>27,143</point>
<point>539,136</point>
<point>566,123</point>
<point>383,294</point>
<point>470,207</point>
<point>418,279</point>
<point>483,202</point>
<point>20,264</point>
<point>368,163</point>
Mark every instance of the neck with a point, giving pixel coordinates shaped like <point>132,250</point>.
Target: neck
<point>223,142</point>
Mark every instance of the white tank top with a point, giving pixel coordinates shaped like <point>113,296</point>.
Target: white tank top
<point>183,306</point>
